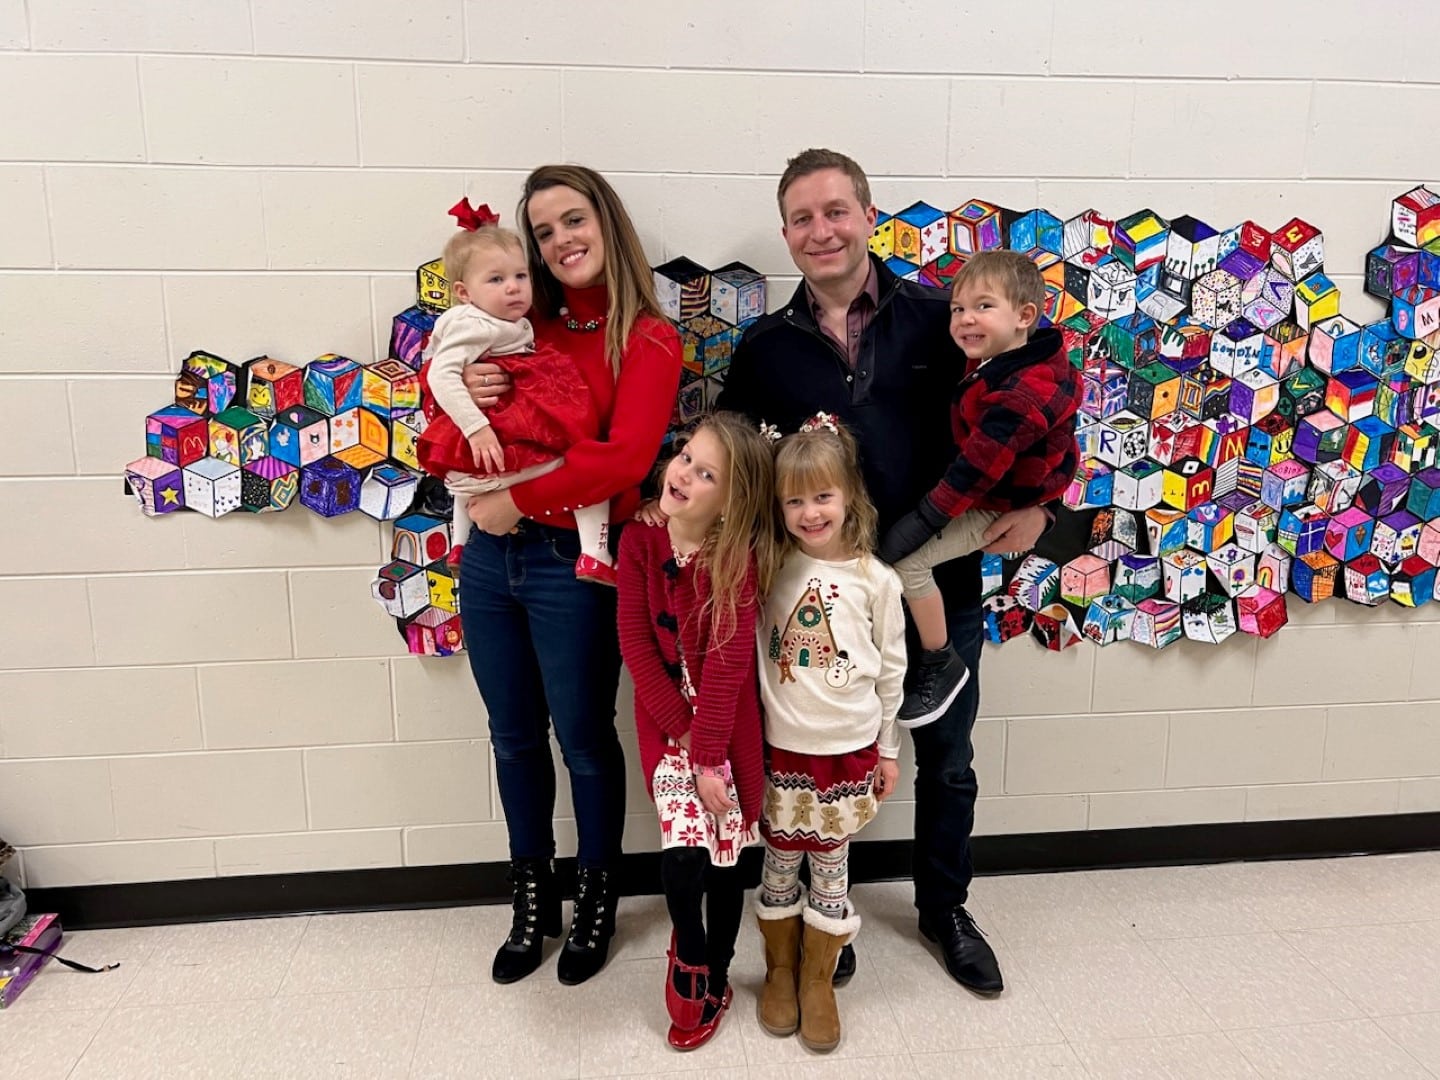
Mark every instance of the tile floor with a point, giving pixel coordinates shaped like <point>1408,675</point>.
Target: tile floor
<point>1294,969</point>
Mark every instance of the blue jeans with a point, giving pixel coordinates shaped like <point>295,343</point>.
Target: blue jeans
<point>543,646</point>
<point>945,785</point>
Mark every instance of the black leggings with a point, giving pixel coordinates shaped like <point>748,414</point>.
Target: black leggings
<point>688,877</point>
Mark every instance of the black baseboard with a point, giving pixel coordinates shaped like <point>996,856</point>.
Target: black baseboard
<point>97,906</point>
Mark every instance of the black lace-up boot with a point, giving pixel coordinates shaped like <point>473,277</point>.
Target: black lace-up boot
<point>536,916</point>
<point>588,946</point>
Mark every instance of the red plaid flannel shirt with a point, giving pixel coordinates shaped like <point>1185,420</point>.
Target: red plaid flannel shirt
<point>1014,425</point>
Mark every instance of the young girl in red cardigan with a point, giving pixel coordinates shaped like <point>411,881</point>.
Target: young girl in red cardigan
<point>690,599</point>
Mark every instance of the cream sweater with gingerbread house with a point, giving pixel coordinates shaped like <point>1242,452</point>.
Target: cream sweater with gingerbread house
<point>832,656</point>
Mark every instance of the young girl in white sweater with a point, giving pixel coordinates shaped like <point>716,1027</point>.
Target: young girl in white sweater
<point>832,667</point>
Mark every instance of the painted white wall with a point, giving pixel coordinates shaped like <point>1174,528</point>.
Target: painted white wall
<point>186,698</point>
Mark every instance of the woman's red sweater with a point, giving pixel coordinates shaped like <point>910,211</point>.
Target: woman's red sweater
<point>634,411</point>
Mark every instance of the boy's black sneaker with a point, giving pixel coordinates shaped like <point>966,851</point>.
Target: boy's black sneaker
<point>941,677</point>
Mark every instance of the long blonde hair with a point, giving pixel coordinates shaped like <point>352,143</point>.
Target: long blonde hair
<point>744,529</point>
<point>628,280</point>
<point>812,461</point>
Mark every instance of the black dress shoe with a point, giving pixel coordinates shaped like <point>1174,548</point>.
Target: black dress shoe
<point>588,946</point>
<point>535,916</point>
<point>845,966</point>
<point>968,956</point>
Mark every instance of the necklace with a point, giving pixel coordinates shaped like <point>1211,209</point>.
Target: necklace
<point>683,560</point>
<point>589,326</point>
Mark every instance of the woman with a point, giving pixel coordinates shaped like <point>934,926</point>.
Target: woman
<point>542,644</point>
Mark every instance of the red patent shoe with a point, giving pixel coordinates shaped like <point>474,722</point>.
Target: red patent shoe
<point>685,1012</point>
<point>703,1033</point>
<point>589,568</point>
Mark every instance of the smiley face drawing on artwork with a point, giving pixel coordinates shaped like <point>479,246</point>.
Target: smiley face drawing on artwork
<point>838,673</point>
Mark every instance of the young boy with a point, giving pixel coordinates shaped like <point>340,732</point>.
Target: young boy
<point>1014,423</point>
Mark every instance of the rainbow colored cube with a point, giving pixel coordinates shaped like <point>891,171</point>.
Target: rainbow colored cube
<point>388,388</point>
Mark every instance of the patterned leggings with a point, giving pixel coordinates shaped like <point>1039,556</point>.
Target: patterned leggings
<point>829,879</point>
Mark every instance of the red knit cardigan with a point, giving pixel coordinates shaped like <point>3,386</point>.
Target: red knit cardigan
<point>661,603</point>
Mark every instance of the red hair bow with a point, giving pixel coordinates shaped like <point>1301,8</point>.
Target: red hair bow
<point>473,217</point>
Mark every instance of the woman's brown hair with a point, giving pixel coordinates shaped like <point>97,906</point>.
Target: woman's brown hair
<point>814,460</point>
<point>628,279</point>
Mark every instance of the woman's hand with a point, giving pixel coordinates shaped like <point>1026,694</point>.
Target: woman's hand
<point>495,513</point>
<point>486,383</point>
<point>649,514</point>
<point>887,777</point>
<point>711,790</point>
<point>1015,531</point>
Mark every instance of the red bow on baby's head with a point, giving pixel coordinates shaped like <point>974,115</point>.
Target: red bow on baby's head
<point>473,217</point>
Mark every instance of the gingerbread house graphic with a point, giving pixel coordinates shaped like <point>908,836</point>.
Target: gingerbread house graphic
<point>806,640</point>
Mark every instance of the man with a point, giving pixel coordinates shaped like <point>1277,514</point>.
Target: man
<point>859,342</point>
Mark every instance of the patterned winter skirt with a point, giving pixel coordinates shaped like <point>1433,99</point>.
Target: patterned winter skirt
<point>684,821</point>
<point>815,802</point>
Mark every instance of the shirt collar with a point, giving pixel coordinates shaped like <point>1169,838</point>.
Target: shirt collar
<point>870,290</point>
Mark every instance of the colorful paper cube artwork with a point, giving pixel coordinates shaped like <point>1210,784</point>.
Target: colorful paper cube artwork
<point>1004,619</point>
<point>212,486</point>
<point>1209,618</point>
<point>1054,627</point>
<point>1313,577</point>
<point>1413,582</point>
<point>332,384</point>
<point>1108,619</point>
<point>1156,623</point>
<point>157,485</point>
<point>1274,445</point>
<point>1367,581</point>
<point>1261,611</point>
<point>268,483</point>
<point>273,385</point>
<point>176,435</point>
<point>388,492</point>
<point>434,632</point>
<point>401,589</point>
<point>330,487</point>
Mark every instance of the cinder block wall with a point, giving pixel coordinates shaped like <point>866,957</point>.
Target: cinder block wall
<point>189,698</point>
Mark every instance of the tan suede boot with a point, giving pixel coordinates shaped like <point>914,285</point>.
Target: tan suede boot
<point>779,1001</point>
<point>820,949</point>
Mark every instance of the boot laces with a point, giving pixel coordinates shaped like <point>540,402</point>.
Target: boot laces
<point>525,911</point>
<point>589,909</point>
